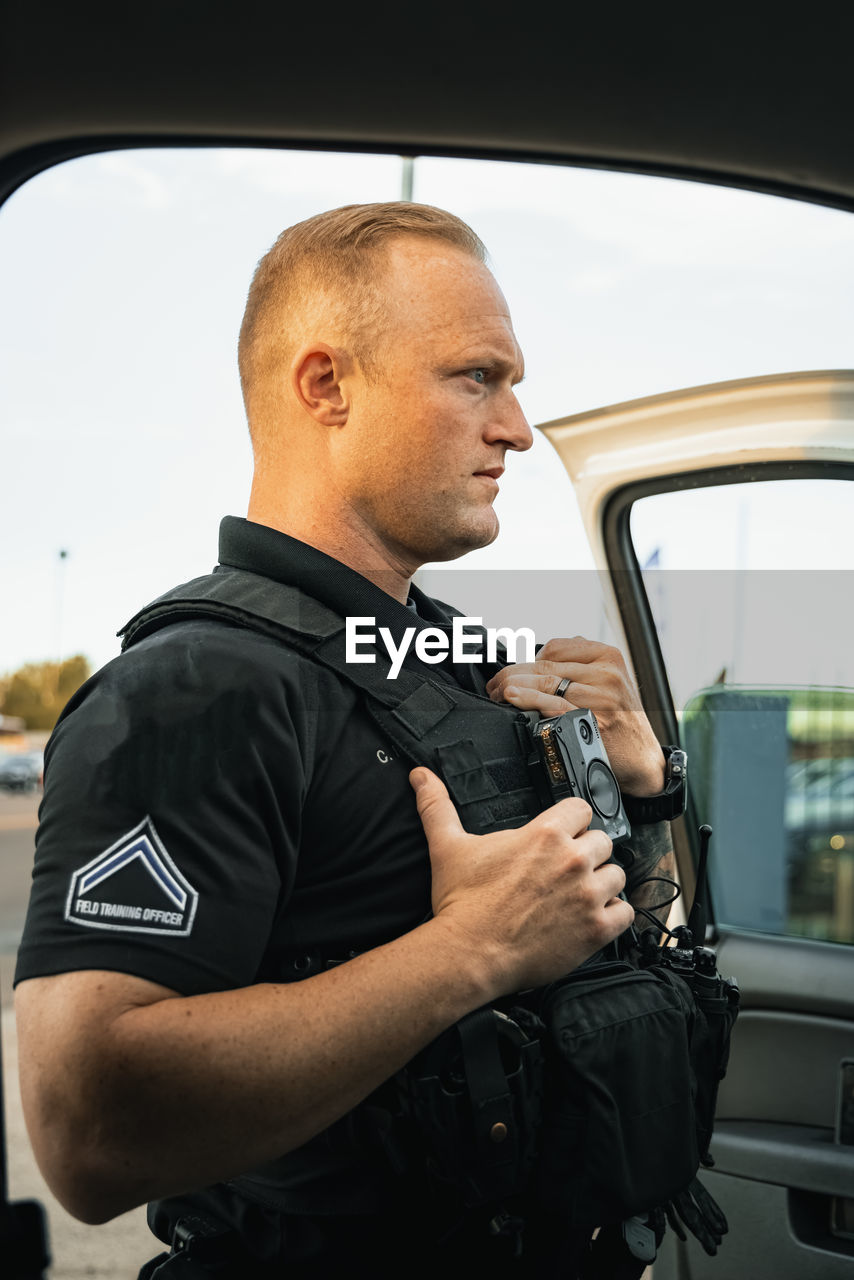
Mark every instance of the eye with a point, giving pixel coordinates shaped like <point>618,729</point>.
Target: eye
<point>476,375</point>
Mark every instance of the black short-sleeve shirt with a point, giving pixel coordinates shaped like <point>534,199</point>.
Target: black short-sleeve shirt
<point>219,811</point>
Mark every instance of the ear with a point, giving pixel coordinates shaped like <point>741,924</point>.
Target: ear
<point>318,373</point>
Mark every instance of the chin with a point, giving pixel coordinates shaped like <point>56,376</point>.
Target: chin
<point>467,540</point>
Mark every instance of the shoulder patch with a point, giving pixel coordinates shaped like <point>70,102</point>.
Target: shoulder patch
<point>133,886</point>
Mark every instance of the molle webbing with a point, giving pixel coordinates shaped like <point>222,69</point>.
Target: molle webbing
<point>478,747</point>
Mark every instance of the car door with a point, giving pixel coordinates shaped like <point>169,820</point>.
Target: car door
<point>721,518</point>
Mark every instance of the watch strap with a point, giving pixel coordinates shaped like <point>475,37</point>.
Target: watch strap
<point>669,803</point>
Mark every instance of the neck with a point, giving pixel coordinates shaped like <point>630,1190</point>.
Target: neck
<point>359,550</point>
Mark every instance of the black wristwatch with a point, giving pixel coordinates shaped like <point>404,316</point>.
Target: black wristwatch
<point>670,802</point>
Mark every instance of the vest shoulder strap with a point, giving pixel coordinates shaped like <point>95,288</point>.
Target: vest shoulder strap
<point>477,747</point>
<point>236,595</point>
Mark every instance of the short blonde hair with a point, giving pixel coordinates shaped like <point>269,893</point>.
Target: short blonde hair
<point>337,257</point>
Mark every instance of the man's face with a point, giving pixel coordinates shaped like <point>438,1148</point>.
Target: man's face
<point>423,450</point>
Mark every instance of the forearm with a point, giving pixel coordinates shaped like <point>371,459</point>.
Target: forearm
<point>183,1092</point>
<point>651,846</point>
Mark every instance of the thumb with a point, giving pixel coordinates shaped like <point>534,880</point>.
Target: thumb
<point>438,816</point>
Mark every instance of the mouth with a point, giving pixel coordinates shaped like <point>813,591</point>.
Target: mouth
<point>492,473</point>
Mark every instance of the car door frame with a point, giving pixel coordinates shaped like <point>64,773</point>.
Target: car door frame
<point>777,1167</point>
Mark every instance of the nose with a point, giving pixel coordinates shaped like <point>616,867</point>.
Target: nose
<point>509,425</point>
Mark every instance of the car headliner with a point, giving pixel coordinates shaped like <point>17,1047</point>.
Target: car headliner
<point>733,97</point>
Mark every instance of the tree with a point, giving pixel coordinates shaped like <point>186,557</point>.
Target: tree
<point>39,690</point>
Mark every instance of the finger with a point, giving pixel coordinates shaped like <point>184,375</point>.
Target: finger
<point>574,649</point>
<point>547,681</point>
<point>543,675</point>
<point>507,675</point>
<point>675,1224</point>
<point>690,1215</point>
<point>596,844</point>
<point>710,1209</point>
<point>623,913</point>
<point>619,915</point>
<point>528,698</point>
<point>611,877</point>
<point>439,818</point>
<point>575,816</point>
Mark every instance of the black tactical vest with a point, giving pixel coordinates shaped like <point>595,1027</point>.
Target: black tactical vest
<point>480,749</point>
<point>661,1036</point>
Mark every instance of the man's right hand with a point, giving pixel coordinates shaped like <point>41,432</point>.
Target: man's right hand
<point>534,901</point>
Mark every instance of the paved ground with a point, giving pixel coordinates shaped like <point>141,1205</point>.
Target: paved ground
<point>112,1252</point>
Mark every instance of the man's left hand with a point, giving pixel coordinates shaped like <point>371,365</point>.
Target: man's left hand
<point>600,683</point>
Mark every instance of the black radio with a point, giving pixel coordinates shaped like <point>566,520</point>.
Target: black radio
<point>574,761</point>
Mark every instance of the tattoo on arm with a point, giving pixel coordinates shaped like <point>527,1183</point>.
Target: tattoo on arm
<point>652,855</point>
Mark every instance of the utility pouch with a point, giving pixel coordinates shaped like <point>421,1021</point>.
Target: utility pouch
<point>473,1101</point>
<point>621,1136</point>
<point>716,1003</point>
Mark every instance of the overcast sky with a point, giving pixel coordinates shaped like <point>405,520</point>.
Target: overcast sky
<point>124,278</point>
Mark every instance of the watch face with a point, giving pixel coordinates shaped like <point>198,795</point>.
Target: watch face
<point>677,769</point>
<point>677,762</point>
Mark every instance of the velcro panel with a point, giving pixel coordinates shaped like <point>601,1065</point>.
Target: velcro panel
<point>426,707</point>
<point>465,773</point>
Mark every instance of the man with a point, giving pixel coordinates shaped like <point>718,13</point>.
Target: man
<point>222,816</point>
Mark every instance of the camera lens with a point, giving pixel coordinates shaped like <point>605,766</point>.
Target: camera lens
<point>585,731</point>
<point>603,792</point>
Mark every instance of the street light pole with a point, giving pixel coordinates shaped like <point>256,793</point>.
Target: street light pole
<point>407,177</point>
<point>60,602</point>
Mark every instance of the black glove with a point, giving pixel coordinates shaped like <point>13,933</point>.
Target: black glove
<point>700,1213</point>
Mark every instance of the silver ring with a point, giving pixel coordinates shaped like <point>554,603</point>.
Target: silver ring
<point>563,685</point>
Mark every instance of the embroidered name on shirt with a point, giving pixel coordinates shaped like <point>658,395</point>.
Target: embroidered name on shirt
<point>133,886</point>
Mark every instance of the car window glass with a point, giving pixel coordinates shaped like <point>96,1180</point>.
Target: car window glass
<point>750,588</point>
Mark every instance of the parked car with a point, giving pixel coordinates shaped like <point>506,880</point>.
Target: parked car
<point>20,772</point>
